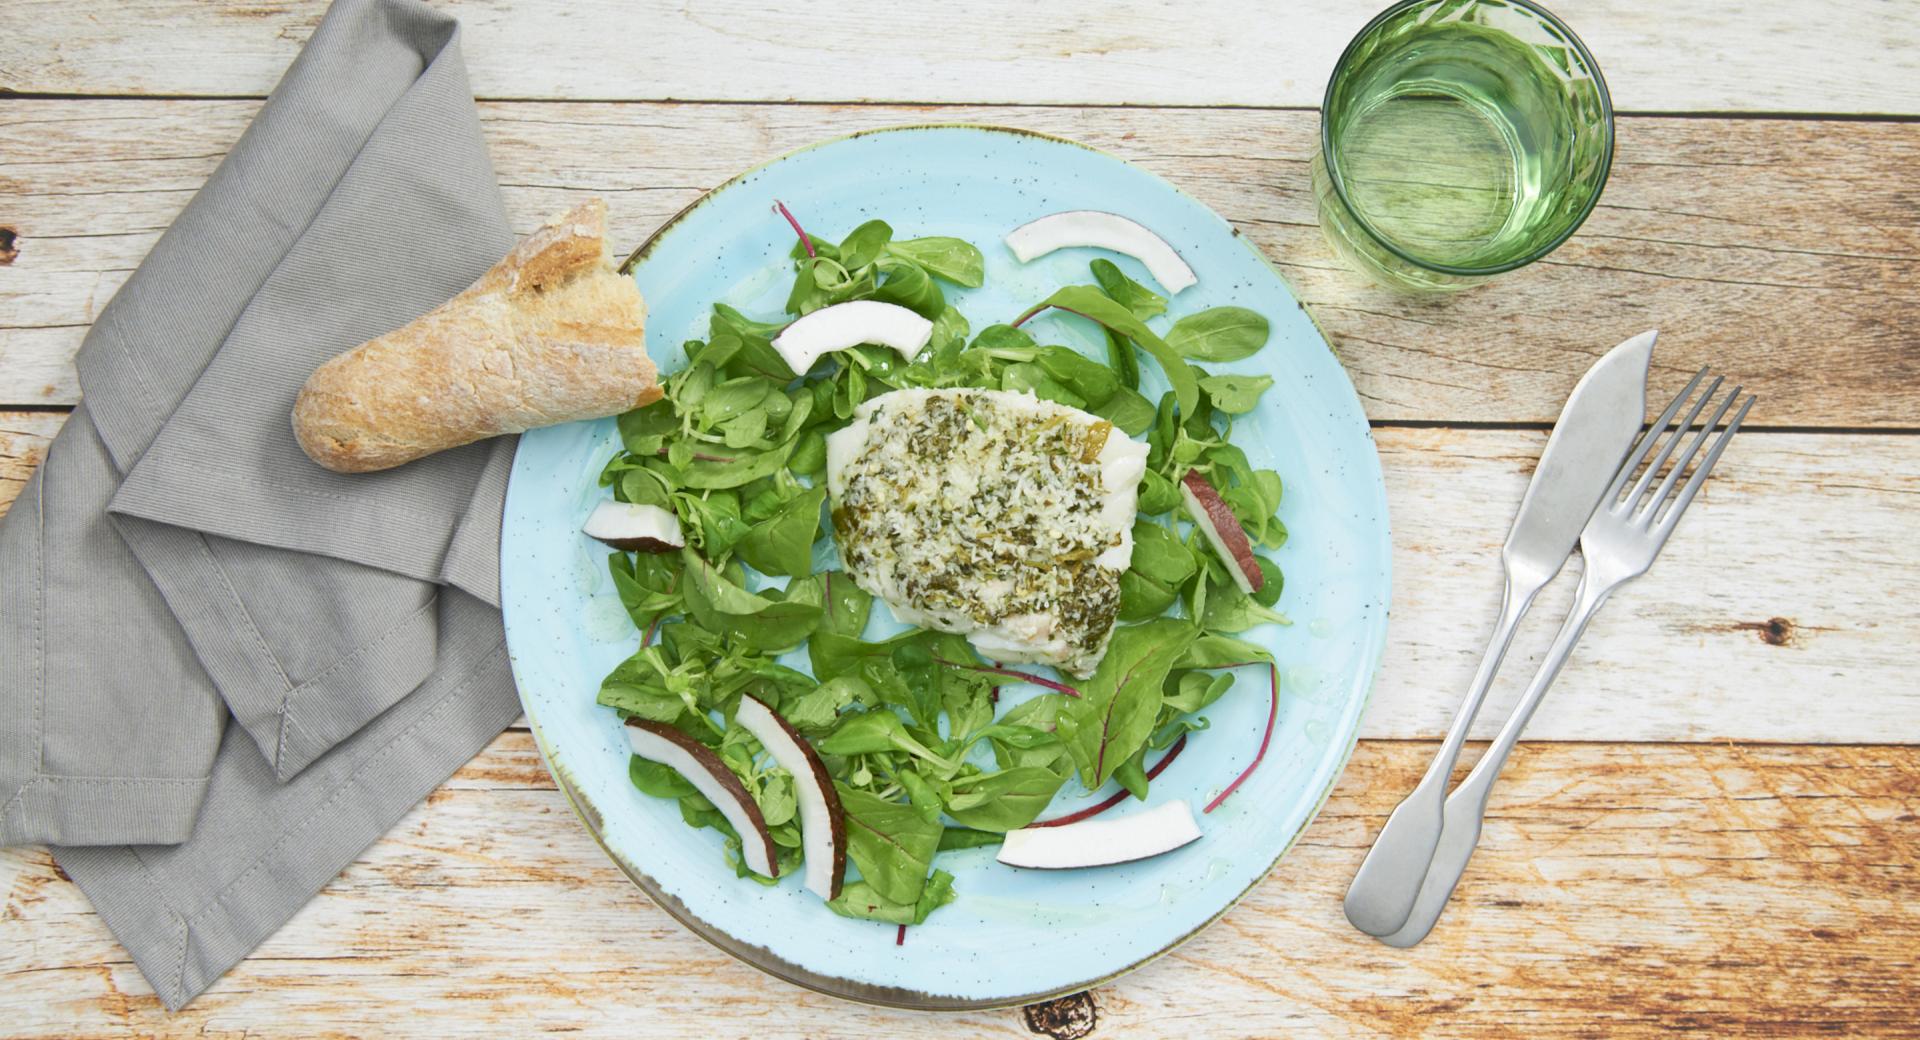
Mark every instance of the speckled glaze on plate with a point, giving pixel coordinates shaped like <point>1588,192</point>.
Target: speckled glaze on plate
<point>1013,936</point>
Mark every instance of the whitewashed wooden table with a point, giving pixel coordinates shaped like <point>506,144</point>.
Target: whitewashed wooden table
<point>1713,827</point>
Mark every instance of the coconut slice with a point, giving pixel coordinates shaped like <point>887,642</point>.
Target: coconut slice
<point>850,324</point>
<point>823,826</point>
<point>1090,227</point>
<point>625,525</point>
<point>661,743</point>
<point>1216,520</point>
<point>1099,843</point>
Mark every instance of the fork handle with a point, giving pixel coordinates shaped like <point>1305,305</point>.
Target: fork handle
<point>1465,808</point>
<point>1383,889</point>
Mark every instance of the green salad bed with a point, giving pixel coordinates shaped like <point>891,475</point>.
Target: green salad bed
<point>912,728</point>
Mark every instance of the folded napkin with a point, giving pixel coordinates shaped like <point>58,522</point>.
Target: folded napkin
<point>177,561</point>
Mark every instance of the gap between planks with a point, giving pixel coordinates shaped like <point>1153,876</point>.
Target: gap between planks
<point>1619,890</point>
<point>1782,252</point>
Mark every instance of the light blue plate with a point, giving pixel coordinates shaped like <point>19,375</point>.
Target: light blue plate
<point>1012,936</point>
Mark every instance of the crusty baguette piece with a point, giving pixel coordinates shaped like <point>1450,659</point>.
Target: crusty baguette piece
<point>550,334</point>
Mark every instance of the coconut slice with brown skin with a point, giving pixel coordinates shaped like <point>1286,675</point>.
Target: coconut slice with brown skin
<point>661,743</point>
<point>625,525</point>
<point>1216,520</point>
<point>1100,843</point>
<point>823,825</point>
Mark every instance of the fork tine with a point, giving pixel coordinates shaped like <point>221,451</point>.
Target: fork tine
<point>1706,466</point>
<point>1680,464</point>
<point>1672,441</point>
<point>1645,443</point>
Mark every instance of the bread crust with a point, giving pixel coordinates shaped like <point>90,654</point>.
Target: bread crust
<point>550,334</point>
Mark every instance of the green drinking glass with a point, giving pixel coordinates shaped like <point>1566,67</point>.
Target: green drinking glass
<point>1460,139</point>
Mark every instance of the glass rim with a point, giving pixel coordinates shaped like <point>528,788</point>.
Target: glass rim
<point>1339,184</point>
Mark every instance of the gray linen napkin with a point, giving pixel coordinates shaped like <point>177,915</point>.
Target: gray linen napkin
<point>177,560</point>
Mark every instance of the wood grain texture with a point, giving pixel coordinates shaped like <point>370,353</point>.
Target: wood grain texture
<point>1785,252</point>
<point>1620,891</point>
<point>1744,623</point>
<point>1857,56</point>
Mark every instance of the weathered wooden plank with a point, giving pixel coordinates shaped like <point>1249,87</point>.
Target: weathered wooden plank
<point>1620,890</point>
<point>1785,252</point>
<point>1779,592</point>
<point>1716,55</point>
<point>23,443</point>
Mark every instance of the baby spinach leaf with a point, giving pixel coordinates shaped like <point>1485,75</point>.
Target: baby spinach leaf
<point>1142,301</point>
<point>956,260</point>
<point>734,469</point>
<point>1272,582</point>
<point>1127,410</point>
<point>908,285</point>
<point>819,708</point>
<point>954,838</point>
<point>1032,379</point>
<point>1132,774</point>
<point>924,798</point>
<point>862,901</point>
<point>1089,379</point>
<point>733,398</point>
<point>660,781</point>
<point>891,844</point>
<point>1230,610</point>
<point>643,431</point>
<point>729,318</point>
<point>1235,395</point>
<point>1142,598</point>
<point>808,454</point>
<point>1121,359</point>
<point>1116,708</point>
<point>783,543</point>
<point>1089,302</point>
<point>1219,334</point>
<point>1158,494</point>
<point>776,798</point>
<point>744,618</point>
<point>1213,650</point>
<point>644,599</point>
<point>1160,555</point>
<point>864,244</point>
<point>1006,800</point>
<point>1192,691</point>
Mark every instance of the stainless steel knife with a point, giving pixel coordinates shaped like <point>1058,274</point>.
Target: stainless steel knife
<point>1596,429</point>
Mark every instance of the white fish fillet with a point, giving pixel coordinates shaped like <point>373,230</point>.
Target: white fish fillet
<point>990,513</point>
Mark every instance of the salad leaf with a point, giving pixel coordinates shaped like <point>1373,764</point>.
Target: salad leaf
<point>654,778</point>
<point>891,844</point>
<point>863,244</point>
<point>1142,301</point>
<point>1116,708</point>
<point>1089,302</point>
<point>858,899</point>
<point>1127,410</point>
<point>755,620</point>
<point>1235,395</point>
<point>783,543</point>
<point>956,260</point>
<point>1006,800</point>
<point>963,838</point>
<point>908,285</point>
<point>1219,334</point>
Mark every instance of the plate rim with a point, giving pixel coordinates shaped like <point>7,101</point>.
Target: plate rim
<point>905,998</point>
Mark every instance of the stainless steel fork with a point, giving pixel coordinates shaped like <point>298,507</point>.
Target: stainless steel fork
<point>1618,544</point>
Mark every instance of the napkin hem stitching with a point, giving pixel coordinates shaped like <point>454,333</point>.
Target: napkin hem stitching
<point>349,781</point>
